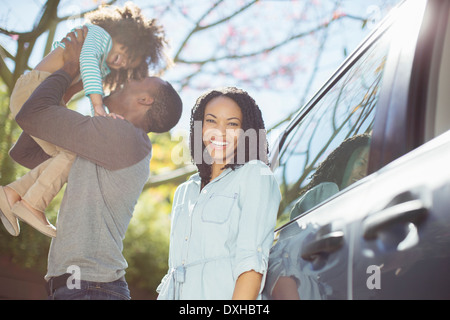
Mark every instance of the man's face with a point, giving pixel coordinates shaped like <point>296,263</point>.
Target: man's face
<point>134,99</point>
<point>132,93</point>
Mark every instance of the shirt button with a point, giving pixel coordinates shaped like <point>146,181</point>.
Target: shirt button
<point>186,239</point>
<point>205,191</point>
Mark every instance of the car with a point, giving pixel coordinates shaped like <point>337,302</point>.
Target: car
<point>364,171</point>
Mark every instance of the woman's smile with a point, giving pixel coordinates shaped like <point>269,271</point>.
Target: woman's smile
<point>216,144</point>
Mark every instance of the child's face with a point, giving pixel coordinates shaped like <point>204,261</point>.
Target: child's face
<point>118,58</point>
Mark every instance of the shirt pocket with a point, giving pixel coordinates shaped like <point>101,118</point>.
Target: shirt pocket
<point>218,207</point>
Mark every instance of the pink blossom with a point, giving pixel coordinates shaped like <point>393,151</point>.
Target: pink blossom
<point>338,14</point>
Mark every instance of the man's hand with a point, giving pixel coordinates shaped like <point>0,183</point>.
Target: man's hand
<point>73,43</point>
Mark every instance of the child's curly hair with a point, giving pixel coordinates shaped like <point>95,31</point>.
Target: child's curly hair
<point>142,37</point>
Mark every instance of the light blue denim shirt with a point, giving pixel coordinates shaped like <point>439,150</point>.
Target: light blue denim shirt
<point>220,232</point>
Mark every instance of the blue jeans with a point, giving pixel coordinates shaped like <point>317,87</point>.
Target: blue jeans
<point>116,290</point>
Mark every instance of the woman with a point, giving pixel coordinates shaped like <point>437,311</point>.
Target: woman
<point>224,216</point>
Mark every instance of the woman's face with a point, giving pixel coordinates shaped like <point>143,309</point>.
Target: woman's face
<point>357,168</point>
<point>222,125</point>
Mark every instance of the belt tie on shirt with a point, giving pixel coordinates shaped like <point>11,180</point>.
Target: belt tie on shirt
<point>177,276</point>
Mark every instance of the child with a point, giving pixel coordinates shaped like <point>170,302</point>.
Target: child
<point>120,45</point>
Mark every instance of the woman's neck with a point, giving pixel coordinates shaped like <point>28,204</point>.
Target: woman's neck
<point>216,170</point>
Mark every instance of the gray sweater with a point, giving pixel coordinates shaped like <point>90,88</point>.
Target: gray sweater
<point>105,181</point>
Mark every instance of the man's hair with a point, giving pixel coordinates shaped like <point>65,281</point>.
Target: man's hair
<point>143,38</point>
<point>165,111</point>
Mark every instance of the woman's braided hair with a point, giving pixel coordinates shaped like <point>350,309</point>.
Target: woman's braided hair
<point>142,37</point>
<point>251,119</point>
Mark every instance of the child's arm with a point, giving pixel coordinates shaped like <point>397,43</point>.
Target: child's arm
<point>96,99</point>
<point>95,47</point>
<point>97,104</point>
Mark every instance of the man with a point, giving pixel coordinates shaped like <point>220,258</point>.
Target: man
<point>106,179</point>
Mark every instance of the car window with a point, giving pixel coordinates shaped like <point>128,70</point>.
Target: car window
<point>328,150</point>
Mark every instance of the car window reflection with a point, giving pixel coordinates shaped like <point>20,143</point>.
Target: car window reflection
<point>289,277</point>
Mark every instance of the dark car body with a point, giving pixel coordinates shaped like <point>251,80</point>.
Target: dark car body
<point>384,234</point>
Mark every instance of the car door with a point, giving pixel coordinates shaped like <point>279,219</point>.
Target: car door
<point>328,172</point>
<point>401,249</point>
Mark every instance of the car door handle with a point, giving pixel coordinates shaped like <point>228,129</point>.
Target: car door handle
<point>323,244</point>
<point>410,211</point>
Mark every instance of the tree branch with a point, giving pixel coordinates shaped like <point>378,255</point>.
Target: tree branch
<point>198,26</point>
<point>264,50</point>
<point>177,176</point>
<point>82,14</point>
<point>49,14</point>
<point>5,73</point>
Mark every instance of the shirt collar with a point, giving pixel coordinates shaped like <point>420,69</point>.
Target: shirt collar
<point>196,177</point>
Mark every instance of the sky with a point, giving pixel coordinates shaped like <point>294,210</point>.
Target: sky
<point>276,101</point>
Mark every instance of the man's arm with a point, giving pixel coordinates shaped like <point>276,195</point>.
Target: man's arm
<point>73,90</point>
<point>111,143</point>
<point>27,152</point>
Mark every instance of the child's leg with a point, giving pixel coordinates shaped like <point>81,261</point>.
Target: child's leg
<point>50,181</point>
<point>25,86</point>
<point>31,186</point>
<point>12,193</point>
<point>7,218</point>
<point>23,89</point>
<point>38,196</point>
<point>21,185</point>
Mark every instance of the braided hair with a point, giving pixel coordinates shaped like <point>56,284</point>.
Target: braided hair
<point>143,39</point>
<point>251,120</point>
